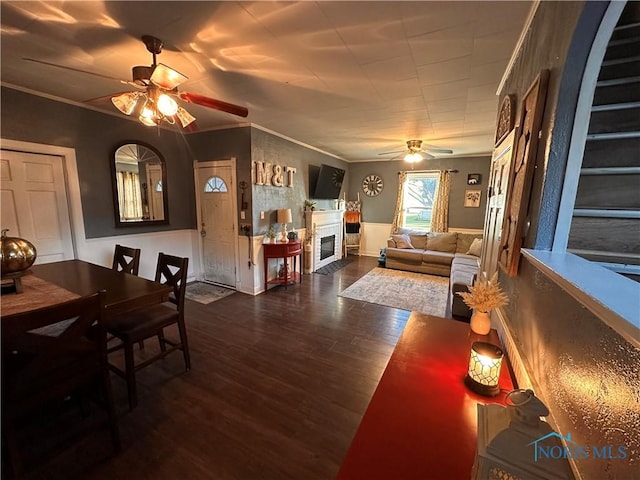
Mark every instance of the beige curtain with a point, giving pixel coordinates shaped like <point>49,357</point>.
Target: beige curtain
<point>440,217</point>
<point>398,218</point>
<point>129,197</point>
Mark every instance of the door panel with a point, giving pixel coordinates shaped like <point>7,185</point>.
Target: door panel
<point>498,186</point>
<point>34,203</point>
<point>218,223</point>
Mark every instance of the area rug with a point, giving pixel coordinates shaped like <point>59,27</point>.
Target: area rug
<point>206,293</point>
<point>417,292</point>
<point>334,266</point>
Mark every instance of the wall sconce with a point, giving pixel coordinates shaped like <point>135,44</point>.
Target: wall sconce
<point>484,369</point>
<point>284,217</point>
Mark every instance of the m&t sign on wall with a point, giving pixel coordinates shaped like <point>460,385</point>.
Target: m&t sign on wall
<point>265,173</point>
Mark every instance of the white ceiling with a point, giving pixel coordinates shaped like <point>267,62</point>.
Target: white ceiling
<point>350,78</point>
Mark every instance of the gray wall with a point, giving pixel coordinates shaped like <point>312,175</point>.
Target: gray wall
<point>94,136</point>
<point>266,147</point>
<point>380,209</point>
<point>585,372</point>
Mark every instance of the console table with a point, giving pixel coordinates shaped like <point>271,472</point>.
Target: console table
<point>284,250</point>
<point>422,422</point>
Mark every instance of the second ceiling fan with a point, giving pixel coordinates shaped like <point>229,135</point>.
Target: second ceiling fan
<point>415,150</point>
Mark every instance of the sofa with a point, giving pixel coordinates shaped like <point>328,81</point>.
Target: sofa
<point>451,254</point>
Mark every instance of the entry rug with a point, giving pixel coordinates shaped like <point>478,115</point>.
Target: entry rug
<point>206,293</point>
<point>416,292</point>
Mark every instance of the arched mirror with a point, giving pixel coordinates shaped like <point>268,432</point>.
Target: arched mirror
<point>139,185</point>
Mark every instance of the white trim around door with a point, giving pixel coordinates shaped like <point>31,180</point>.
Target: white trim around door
<point>228,162</point>
<point>72,183</point>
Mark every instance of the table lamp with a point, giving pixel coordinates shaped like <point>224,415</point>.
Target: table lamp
<point>284,217</point>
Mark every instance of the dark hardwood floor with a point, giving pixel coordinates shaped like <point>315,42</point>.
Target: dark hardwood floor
<point>279,384</point>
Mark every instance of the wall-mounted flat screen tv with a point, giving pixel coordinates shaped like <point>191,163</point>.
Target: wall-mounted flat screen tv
<point>329,182</point>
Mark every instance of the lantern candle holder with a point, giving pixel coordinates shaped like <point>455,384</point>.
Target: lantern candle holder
<point>484,369</point>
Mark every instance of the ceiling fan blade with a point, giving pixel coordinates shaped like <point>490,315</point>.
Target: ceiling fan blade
<point>389,153</point>
<point>166,77</point>
<point>436,150</point>
<point>42,62</point>
<point>213,103</point>
<point>428,156</point>
<point>397,156</point>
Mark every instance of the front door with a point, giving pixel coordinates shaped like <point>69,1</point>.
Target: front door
<point>34,203</point>
<point>498,186</point>
<point>218,222</point>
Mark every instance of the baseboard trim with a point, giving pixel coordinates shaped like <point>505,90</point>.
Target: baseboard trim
<point>522,378</point>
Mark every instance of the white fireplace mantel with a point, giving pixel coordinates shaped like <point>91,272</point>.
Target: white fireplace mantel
<point>324,223</point>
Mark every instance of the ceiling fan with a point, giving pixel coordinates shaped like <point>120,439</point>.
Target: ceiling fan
<point>415,149</point>
<point>154,101</point>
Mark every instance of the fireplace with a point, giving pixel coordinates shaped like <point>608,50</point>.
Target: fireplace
<point>325,230</point>
<point>327,246</point>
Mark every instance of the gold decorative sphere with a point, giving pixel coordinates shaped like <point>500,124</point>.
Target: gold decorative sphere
<point>17,254</point>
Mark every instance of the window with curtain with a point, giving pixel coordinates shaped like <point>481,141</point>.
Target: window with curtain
<point>419,196</point>
<point>130,198</point>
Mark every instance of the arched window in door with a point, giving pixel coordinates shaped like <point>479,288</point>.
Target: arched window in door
<point>215,185</point>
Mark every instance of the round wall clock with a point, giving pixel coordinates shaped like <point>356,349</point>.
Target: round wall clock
<point>372,185</point>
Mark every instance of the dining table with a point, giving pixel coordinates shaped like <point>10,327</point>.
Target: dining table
<point>51,283</point>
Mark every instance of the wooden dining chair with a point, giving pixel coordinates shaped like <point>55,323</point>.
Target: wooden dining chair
<point>50,354</point>
<point>150,322</point>
<point>126,259</point>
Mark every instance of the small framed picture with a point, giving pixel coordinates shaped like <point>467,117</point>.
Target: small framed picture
<point>474,179</point>
<point>472,198</point>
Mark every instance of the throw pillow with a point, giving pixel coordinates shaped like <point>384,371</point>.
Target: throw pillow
<point>442,242</point>
<point>475,248</point>
<point>402,241</point>
<point>418,240</point>
<point>465,240</point>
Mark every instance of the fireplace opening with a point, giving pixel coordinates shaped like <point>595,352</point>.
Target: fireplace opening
<point>327,246</point>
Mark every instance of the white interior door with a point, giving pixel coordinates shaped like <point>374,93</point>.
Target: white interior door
<point>34,203</point>
<point>498,189</point>
<point>218,221</point>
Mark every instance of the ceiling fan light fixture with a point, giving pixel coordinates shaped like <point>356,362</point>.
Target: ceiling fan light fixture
<point>148,114</point>
<point>166,77</point>
<point>167,105</point>
<point>126,102</point>
<point>413,157</point>
<point>184,117</point>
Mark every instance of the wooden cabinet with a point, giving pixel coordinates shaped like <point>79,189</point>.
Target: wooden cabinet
<point>285,250</point>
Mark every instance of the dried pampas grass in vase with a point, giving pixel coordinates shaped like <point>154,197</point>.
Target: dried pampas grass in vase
<point>483,297</point>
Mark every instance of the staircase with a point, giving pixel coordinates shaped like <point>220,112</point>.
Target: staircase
<point>606,219</point>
